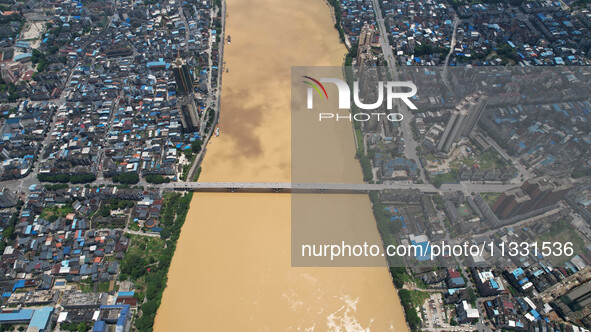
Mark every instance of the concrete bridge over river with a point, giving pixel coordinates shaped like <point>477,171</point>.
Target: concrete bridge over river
<point>342,188</point>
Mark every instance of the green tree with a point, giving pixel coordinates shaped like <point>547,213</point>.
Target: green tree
<point>157,179</point>
<point>149,307</point>
<point>437,182</point>
<point>82,327</point>
<point>127,178</point>
<point>196,146</point>
<point>134,265</point>
<point>165,233</point>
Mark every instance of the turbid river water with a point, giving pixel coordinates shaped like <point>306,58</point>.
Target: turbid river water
<point>232,269</point>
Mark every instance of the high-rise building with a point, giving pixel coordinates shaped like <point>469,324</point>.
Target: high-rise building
<point>574,305</point>
<point>510,203</point>
<point>183,77</point>
<point>450,132</point>
<point>546,190</point>
<point>534,194</point>
<point>463,119</point>
<point>7,198</point>
<point>188,112</point>
<point>185,100</point>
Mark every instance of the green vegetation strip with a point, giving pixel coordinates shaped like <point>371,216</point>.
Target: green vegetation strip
<point>127,178</point>
<point>196,177</point>
<point>337,15</point>
<point>410,300</point>
<point>157,179</point>
<point>147,261</point>
<point>65,178</point>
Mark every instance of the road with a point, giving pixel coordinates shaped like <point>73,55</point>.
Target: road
<point>213,95</point>
<point>187,32</point>
<point>452,45</point>
<point>330,187</point>
<point>410,145</point>
<point>128,231</point>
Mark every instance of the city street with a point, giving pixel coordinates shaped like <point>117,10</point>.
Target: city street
<point>410,145</point>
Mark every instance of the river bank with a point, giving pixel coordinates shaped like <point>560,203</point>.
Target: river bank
<point>398,275</point>
<point>158,252</point>
<point>233,257</point>
<point>195,166</point>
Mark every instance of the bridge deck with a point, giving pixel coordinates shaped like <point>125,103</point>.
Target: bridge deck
<point>330,187</point>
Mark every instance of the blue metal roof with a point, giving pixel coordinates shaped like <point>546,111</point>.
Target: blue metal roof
<point>99,326</point>
<point>18,284</point>
<point>517,272</point>
<point>16,315</point>
<point>458,280</point>
<point>122,315</point>
<point>40,318</point>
